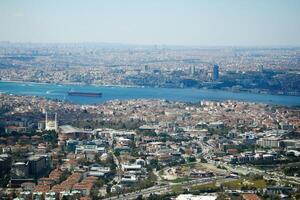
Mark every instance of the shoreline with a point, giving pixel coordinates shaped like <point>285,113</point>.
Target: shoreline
<point>136,86</point>
<point>116,92</point>
<point>81,84</point>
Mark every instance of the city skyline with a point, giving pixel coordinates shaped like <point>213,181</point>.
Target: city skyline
<point>149,99</point>
<point>196,23</point>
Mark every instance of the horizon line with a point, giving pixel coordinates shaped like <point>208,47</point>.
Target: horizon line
<point>153,45</point>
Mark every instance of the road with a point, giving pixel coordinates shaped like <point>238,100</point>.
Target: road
<point>207,153</point>
<point>163,189</point>
<point>117,177</point>
<point>207,150</point>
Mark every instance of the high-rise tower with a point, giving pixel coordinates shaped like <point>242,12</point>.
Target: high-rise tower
<point>216,72</point>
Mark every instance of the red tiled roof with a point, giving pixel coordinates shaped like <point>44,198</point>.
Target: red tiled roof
<point>251,197</point>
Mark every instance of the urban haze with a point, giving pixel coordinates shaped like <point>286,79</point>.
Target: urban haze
<point>150,100</point>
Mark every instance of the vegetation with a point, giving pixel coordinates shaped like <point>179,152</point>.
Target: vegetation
<point>159,197</point>
<point>94,194</point>
<point>233,185</point>
<point>51,137</point>
<point>222,196</point>
<point>65,175</point>
<point>209,187</point>
<point>180,180</point>
<point>4,180</point>
<point>177,189</point>
<point>116,124</point>
<point>153,165</point>
<point>191,159</point>
<point>245,184</point>
<point>149,182</point>
<point>291,171</point>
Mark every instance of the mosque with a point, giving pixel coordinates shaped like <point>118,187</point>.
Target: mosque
<point>51,125</point>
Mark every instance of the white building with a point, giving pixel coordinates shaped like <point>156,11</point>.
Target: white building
<point>51,124</point>
<point>271,142</point>
<point>196,197</point>
<point>132,168</point>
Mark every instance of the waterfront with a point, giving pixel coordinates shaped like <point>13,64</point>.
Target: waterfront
<point>56,91</point>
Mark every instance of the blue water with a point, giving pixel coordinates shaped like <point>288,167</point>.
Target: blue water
<point>55,91</point>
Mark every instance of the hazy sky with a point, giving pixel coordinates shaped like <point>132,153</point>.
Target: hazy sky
<point>183,22</point>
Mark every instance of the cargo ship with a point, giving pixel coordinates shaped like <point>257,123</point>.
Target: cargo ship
<point>85,94</point>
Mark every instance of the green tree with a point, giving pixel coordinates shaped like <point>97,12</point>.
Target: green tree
<point>191,159</point>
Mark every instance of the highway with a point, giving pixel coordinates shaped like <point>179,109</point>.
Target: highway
<point>163,189</point>
<point>245,170</point>
<point>207,153</point>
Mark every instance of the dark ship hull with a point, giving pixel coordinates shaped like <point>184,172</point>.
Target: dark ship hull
<point>85,94</point>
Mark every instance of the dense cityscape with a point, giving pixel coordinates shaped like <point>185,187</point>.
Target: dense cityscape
<point>150,100</point>
<point>153,149</point>
<point>257,70</point>
<point>149,148</point>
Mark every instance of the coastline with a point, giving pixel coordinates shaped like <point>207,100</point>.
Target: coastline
<point>73,83</point>
<point>193,95</point>
<point>137,86</point>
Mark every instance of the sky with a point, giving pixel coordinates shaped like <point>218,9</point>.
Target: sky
<point>154,22</point>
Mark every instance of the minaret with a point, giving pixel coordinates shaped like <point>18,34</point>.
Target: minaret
<point>46,122</point>
<point>55,122</point>
<point>52,123</point>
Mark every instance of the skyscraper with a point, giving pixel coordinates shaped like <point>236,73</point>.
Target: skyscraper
<point>146,68</point>
<point>216,72</point>
<point>261,68</point>
<point>192,70</point>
